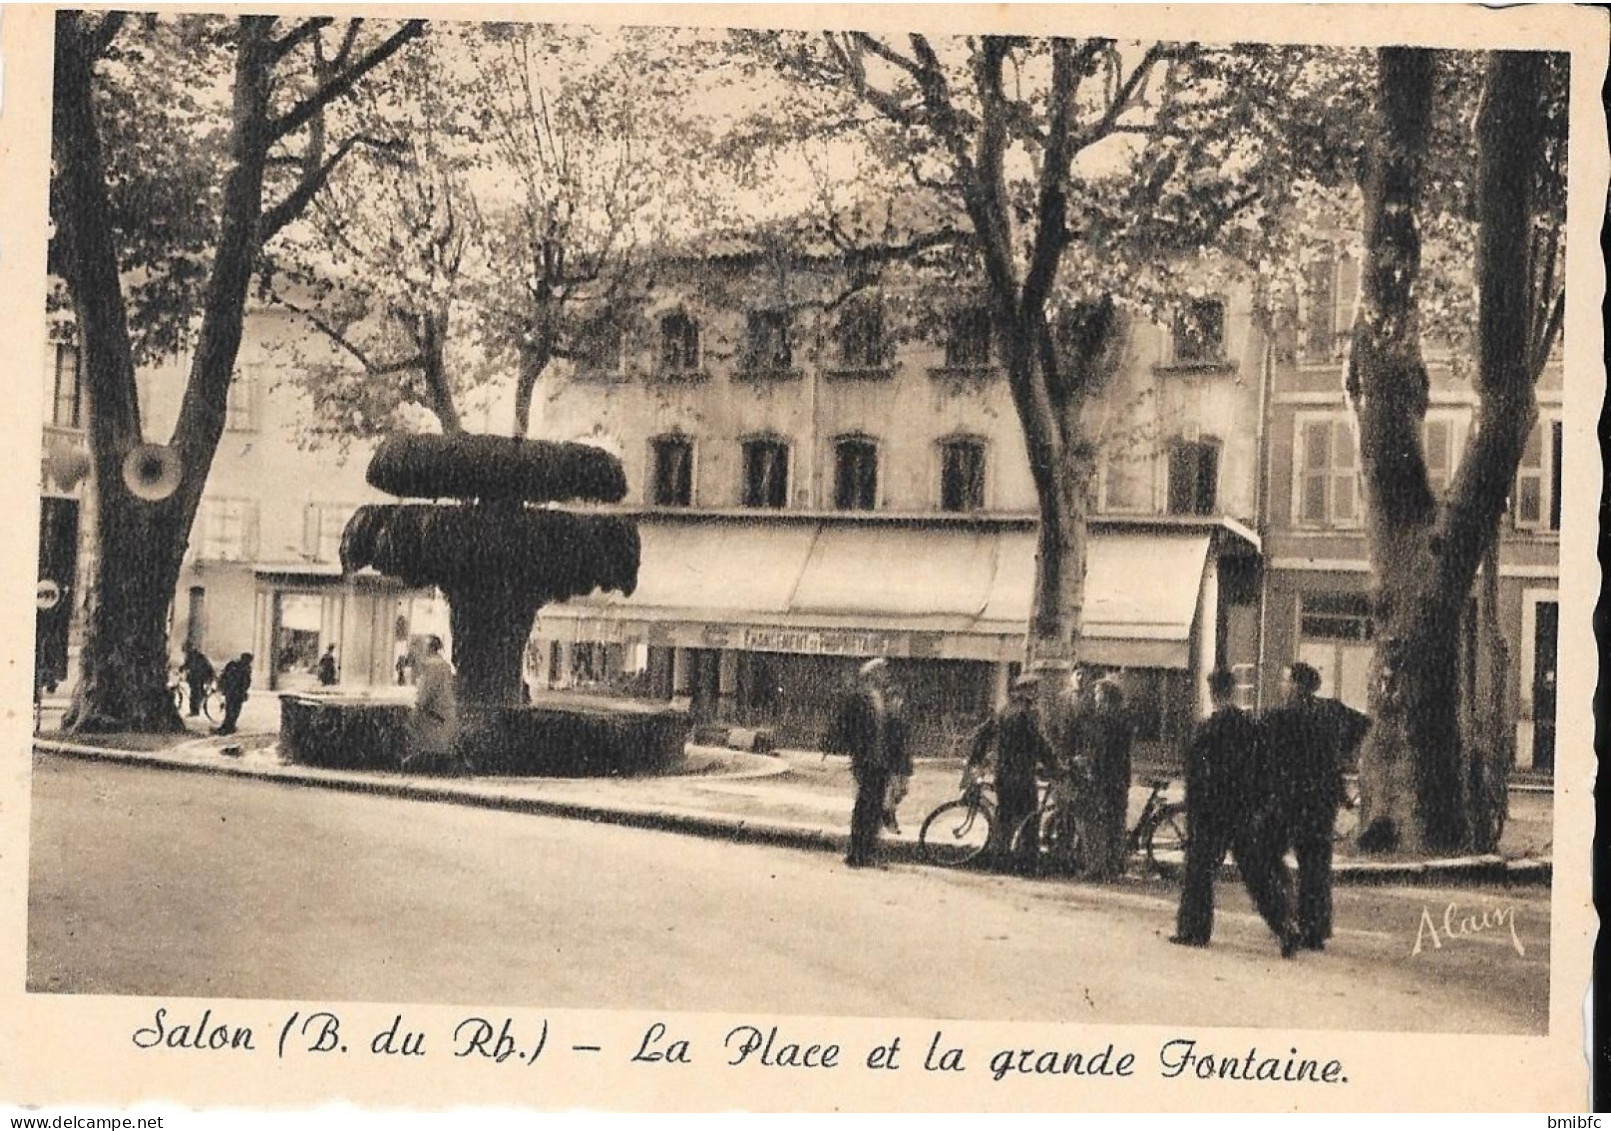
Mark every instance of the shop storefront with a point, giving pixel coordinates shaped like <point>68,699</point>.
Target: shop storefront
<point>763,621</point>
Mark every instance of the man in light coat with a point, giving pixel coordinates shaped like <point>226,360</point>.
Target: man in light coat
<point>433,724</point>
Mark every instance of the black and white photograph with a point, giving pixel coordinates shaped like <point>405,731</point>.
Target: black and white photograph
<point>797,559</point>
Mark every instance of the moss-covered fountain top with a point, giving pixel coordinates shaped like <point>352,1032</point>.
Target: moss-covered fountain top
<point>496,556</point>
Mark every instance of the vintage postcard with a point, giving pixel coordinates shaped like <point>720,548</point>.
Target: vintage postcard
<point>800,559</point>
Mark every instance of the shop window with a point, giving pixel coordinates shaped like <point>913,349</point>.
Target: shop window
<point>1326,483</point>
<point>855,474</point>
<point>1336,616</point>
<point>962,475</point>
<point>859,333</point>
<point>766,473</point>
<point>1193,476</point>
<point>1199,333</point>
<point>1536,499</point>
<point>767,347</point>
<point>241,410</point>
<point>1335,633</point>
<point>67,390</point>
<point>679,344</point>
<point>590,663</point>
<point>968,343</point>
<point>225,530</point>
<point>673,471</point>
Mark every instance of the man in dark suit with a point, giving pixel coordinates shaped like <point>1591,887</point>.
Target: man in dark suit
<point>1014,734</point>
<point>1228,808</point>
<point>861,730</point>
<point>234,682</point>
<point>1308,746</point>
<point>197,671</point>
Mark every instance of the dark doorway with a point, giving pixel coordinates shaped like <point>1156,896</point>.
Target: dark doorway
<point>58,563</point>
<point>1545,629</point>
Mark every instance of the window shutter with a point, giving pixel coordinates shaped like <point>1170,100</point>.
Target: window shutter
<point>1345,462</point>
<point>1437,441</point>
<point>1313,468</point>
<point>1555,430</point>
<point>1321,320</point>
<point>1528,497</point>
<point>1347,296</point>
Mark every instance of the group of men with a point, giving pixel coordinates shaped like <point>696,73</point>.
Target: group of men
<point>1080,736</point>
<point>1090,739</point>
<point>1257,789</point>
<point>433,723</point>
<point>234,682</point>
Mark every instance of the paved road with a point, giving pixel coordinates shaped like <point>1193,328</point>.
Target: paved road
<point>163,883</point>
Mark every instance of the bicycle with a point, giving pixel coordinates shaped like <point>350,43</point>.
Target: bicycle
<point>959,830</point>
<point>1160,830</point>
<point>1059,847</point>
<point>212,699</point>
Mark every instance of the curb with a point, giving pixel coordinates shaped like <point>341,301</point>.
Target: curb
<point>471,792</point>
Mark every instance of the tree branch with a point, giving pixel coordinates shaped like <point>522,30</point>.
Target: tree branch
<point>307,188</point>
<point>97,41</point>
<point>347,345</point>
<point>1052,222</point>
<point>1123,96</point>
<point>304,31</point>
<point>343,80</point>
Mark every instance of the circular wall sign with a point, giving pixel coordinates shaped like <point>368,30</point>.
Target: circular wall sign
<point>49,595</point>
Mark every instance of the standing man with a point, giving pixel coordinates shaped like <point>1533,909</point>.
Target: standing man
<point>1021,750</point>
<point>899,755</point>
<point>197,672</point>
<point>233,683</point>
<point>433,724</point>
<point>861,730</point>
<point>1306,741</point>
<point>327,667</point>
<point>1109,734</point>
<point>1228,807</point>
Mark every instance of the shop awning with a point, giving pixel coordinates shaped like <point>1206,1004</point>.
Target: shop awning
<point>1142,588</point>
<point>726,572</point>
<point>917,577</point>
<point>1141,592</point>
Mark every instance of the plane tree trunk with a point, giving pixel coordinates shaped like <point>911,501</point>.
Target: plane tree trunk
<point>1420,787</point>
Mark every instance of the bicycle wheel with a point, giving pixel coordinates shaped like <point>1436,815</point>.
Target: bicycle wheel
<point>1165,837</point>
<point>1061,847</point>
<point>213,705</point>
<point>955,833</point>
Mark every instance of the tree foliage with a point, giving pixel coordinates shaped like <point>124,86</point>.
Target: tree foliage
<point>181,145</point>
<point>1082,178</point>
<point>526,196</point>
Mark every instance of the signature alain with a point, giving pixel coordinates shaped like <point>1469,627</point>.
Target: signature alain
<point>1461,925</point>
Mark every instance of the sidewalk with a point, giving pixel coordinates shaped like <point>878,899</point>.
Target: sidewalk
<point>794,798</point>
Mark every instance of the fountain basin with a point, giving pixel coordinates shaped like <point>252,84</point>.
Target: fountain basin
<point>570,736</point>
